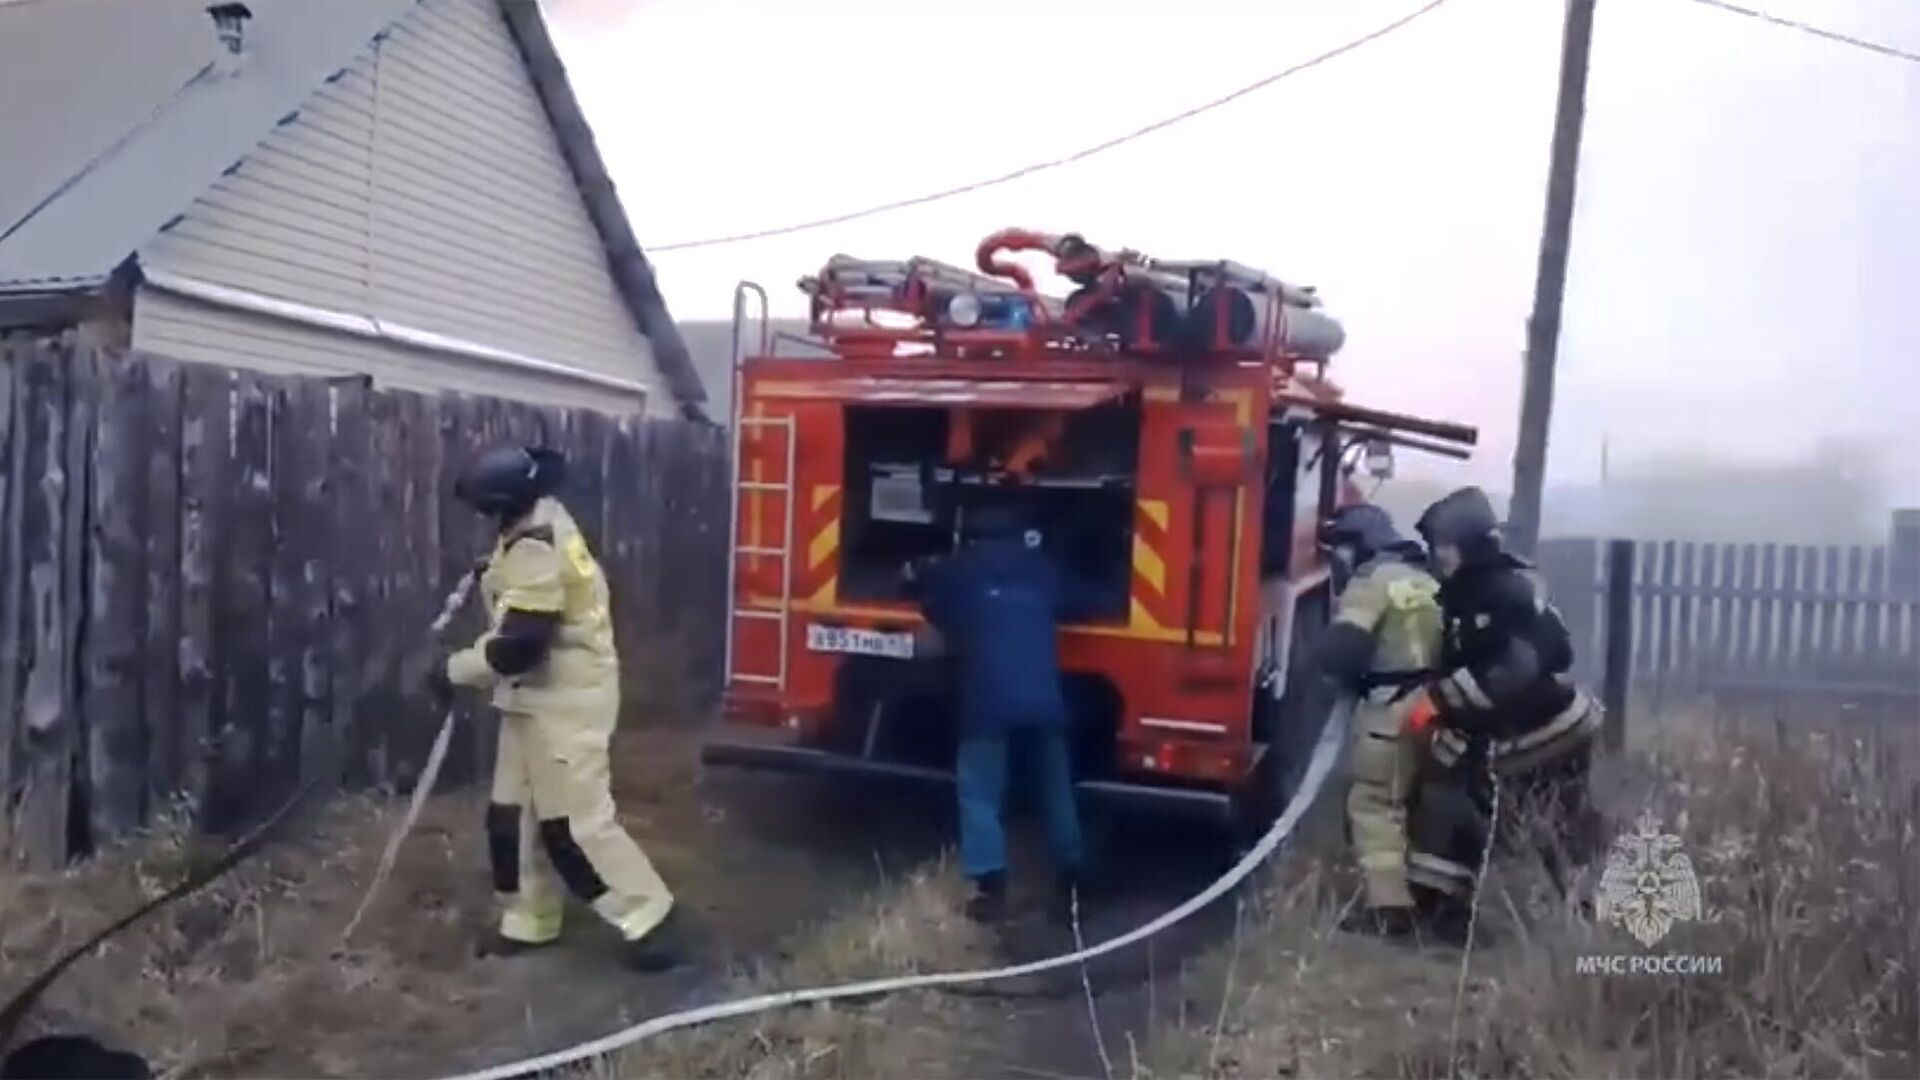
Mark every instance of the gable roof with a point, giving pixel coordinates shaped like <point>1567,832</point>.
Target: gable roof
<point>145,122</point>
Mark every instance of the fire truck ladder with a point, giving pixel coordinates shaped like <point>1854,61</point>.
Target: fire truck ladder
<point>783,489</point>
<point>755,489</point>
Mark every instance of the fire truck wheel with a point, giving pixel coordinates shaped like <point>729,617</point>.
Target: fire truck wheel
<point>1290,726</point>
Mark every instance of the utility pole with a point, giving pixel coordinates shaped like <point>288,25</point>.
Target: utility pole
<point>1550,282</point>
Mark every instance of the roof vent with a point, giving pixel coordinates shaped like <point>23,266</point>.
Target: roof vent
<point>229,25</point>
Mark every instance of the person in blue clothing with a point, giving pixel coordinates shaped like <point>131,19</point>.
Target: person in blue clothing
<point>997,603</point>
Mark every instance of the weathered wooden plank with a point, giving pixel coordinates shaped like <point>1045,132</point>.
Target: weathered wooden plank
<point>311,602</point>
<point>1663,657</point>
<point>1644,574</point>
<point>1805,602</point>
<point>297,674</point>
<point>588,440</point>
<point>1712,623</point>
<point>1754,618</point>
<point>349,522</point>
<point>160,652</point>
<point>411,727</point>
<point>113,651</point>
<point>83,397</point>
<point>462,436</point>
<point>205,453</point>
<point>1874,617</point>
<point>1686,635</point>
<point>380,704</point>
<point>243,736</point>
<point>46,725</point>
<point>1827,630</point>
<point>1847,641</point>
<point>13,489</point>
<point>617,551</point>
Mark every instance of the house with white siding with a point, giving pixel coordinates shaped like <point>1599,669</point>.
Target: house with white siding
<point>402,189</point>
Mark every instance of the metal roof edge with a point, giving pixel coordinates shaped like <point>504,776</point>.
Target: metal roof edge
<point>341,322</point>
<point>632,274</point>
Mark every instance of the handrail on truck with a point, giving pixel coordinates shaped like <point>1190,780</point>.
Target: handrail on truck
<point>740,292</point>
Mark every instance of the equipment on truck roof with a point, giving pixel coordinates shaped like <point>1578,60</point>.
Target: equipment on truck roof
<point>1169,429</point>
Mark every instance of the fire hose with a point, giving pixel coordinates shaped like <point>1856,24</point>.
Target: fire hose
<point>428,773</point>
<point>1319,766</point>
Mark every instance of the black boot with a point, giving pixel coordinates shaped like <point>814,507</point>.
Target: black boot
<point>988,904</point>
<point>1442,919</point>
<point>1385,922</point>
<point>660,949</point>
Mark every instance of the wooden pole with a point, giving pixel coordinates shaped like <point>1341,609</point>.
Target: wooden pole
<point>1619,652</point>
<point>1550,282</point>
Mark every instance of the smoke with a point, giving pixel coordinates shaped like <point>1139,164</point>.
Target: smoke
<point>586,17</point>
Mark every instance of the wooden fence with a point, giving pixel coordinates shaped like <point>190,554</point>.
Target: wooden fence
<point>214,583</point>
<point>1765,618</point>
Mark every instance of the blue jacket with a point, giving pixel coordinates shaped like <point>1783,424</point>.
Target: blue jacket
<point>998,603</point>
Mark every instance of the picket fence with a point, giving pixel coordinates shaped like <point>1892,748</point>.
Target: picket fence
<point>1833,622</point>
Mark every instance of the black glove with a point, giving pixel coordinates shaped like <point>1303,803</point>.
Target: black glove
<point>438,686</point>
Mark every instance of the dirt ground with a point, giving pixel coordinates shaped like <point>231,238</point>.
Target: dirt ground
<point>786,877</point>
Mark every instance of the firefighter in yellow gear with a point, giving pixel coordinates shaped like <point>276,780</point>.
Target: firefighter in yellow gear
<point>1381,646</point>
<point>548,658</point>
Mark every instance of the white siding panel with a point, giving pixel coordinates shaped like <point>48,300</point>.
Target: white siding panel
<point>480,231</point>
<point>424,187</point>
<point>203,333</point>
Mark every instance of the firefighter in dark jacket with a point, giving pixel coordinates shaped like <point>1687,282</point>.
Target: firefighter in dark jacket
<point>1380,648</point>
<point>997,603</point>
<point>1509,723</point>
<point>549,664</point>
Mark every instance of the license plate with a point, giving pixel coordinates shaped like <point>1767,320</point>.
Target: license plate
<point>843,639</point>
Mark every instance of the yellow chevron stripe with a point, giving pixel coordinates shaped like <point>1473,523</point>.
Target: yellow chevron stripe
<point>824,544</point>
<point>1156,511</point>
<point>1148,564</point>
<point>822,493</point>
<point>824,598</point>
<point>1139,618</point>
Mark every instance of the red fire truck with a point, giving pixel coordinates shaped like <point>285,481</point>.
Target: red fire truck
<point>1169,431</point>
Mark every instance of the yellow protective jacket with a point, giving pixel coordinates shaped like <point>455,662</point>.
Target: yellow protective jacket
<point>1386,628</point>
<point>541,566</point>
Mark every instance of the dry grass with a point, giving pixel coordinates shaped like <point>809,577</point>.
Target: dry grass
<point>912,926</point>
<point>1804,843</point>
<point>213,984</point>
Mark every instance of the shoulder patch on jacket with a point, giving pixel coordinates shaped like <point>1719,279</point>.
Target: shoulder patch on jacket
<point>578,555</point>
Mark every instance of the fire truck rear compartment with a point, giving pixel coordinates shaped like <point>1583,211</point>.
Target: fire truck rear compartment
<point>907,498</point>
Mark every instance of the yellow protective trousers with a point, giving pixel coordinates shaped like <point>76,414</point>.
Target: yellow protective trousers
<point>1383,767</point>
<point>552,822</point>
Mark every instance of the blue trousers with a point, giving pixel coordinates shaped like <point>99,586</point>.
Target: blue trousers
<point>981,780</point>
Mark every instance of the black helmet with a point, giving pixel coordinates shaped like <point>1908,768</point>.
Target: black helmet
<point>507,480</point>
<point>1460,519</point>
<point>1364,527</point>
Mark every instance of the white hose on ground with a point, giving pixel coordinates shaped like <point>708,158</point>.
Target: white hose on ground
<point>428,775</point>
<point>1318,768</point>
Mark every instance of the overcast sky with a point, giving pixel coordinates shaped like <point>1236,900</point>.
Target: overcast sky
<point>1746,246</point>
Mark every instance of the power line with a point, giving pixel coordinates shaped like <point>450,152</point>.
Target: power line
<point>1055,163</point>
<point>1807,28</point>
